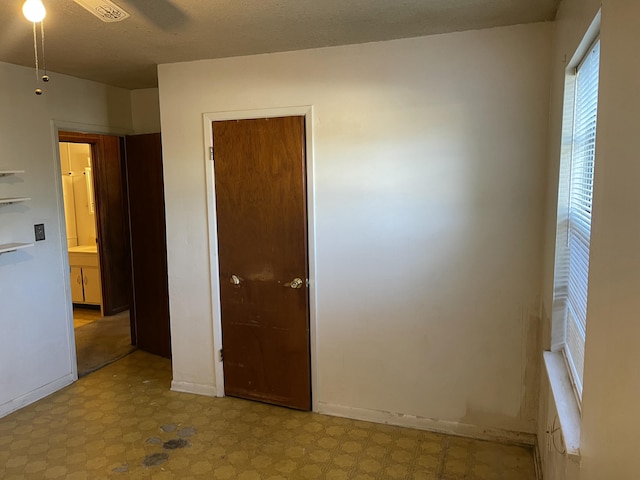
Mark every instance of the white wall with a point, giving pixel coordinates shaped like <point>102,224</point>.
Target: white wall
<point>612,383</point>
<point>34,343</point>
<point>145,110</point>
<point>428,180</point>
<point>610,425</point>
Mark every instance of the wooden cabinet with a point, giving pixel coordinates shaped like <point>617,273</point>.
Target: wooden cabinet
<point>85,275</point>
<point>85,285</point>
<point>77,290</point>
<point>91,285</point>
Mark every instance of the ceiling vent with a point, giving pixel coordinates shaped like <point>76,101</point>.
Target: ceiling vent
<point>104,9</point>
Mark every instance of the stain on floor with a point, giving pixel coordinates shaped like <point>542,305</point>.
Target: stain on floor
<point>187,432</point>
<point>155,459</point>
<point>169,428</point>
<point>121,469</point>
<point>104,424</point>
<point>154,441</point>
<point>175,444</point>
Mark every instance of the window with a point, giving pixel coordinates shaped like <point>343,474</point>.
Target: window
<point>574,213</point>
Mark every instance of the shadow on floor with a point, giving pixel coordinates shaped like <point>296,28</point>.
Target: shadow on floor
<point>102,342</point>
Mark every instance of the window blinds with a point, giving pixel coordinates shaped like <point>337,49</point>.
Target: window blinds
<point>580,203</point>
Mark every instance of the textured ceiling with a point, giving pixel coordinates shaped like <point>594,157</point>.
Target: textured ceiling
<point>126,53</point>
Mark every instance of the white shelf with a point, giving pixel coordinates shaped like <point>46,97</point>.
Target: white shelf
<point>12,247</point>
<point>4,173</point>
<point>9,201</point>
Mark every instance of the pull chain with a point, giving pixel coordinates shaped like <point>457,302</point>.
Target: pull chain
<point>45,77</point>
<point>35,52</point>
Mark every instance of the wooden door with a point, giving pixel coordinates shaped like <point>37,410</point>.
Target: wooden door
<point>112,222</point>
<point>112,225</point>
<point>260,181</point>
<point>151,328</point>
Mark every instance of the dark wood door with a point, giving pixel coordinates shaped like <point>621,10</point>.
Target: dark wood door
<point>260,181</point>
<point>112,221</point>
<point>150,328</point>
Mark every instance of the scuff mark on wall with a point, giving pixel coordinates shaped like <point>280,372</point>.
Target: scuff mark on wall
<point>530,326</point>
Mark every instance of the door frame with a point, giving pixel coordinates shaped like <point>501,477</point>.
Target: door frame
<point>56,126</point>
<point>212,227</point>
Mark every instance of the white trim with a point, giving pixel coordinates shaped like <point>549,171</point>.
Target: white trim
<point>195,388</point>
<point>565,400</point>
<point>429,424</point>
<point>37,394</point>
<point>212,231</point>
<point>89,128</point>
<point>590,38</point>
<point>64,252</point>
<point>56,126</point>
<point>207,119</point>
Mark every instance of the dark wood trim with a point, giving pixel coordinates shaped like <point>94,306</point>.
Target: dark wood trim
<point>78,137</point>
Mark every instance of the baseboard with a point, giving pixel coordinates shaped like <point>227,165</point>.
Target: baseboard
<point>195,388</point>
<point>429,424</point>
<point>35,395</point>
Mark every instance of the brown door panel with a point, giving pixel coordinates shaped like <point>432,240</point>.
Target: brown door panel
<point>148,243</point>
<point>113,225</point>
<point>259,358</point>
<point>262,240</point>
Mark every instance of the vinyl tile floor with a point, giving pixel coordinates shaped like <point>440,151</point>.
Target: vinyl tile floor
<point>123,422</point>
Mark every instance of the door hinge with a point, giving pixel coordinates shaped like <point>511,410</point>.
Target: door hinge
<point>220,355</point>
<point>211,153</point>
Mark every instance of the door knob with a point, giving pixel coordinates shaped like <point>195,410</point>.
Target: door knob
<point>295,283</point>
<point>235,280</point>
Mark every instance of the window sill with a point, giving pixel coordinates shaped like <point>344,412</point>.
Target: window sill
<point>566,403</point>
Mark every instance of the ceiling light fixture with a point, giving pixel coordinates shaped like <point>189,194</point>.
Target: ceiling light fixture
<point>34,11</point>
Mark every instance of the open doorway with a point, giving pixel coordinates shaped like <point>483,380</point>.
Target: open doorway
<point>102,328</point>
<point>117,252</point>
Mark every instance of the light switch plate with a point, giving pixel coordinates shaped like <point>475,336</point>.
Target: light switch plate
<point>39,231</point>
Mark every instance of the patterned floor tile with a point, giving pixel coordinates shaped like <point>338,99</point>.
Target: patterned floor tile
<point>123,422</point>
